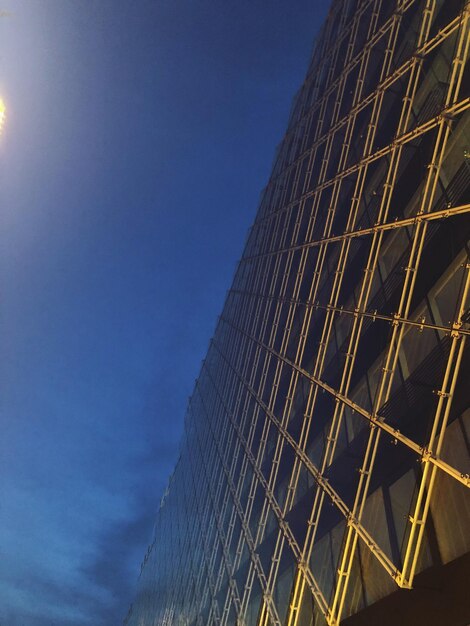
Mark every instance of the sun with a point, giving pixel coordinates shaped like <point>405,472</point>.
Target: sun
<point>2,113</point>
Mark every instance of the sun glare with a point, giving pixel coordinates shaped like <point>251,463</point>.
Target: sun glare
<point>2,114</point>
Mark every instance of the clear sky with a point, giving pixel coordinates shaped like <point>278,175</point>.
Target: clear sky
<point>138,137</point>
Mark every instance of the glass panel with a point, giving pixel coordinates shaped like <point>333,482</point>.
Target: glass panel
<point>450,503</point>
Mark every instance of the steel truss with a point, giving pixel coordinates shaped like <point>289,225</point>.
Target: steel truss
<point>243,464</point>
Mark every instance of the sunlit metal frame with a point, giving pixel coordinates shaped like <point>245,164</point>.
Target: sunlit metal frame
<point>237,417</point>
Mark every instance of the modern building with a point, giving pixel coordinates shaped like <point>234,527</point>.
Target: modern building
<point>323,476</point>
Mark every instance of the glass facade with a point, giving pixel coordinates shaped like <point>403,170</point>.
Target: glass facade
<point>325,460</point>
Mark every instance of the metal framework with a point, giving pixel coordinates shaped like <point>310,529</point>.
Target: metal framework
<point>338,360</point>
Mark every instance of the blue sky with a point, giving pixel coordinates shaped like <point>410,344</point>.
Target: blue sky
<point>139,135</point>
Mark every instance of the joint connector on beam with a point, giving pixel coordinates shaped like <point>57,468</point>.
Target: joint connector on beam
<point>447,117</point>
<point>398,578</point>
<point>426,455</point>
<point>442,394</point>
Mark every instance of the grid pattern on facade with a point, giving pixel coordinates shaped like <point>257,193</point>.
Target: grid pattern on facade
<point>324,461</point>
